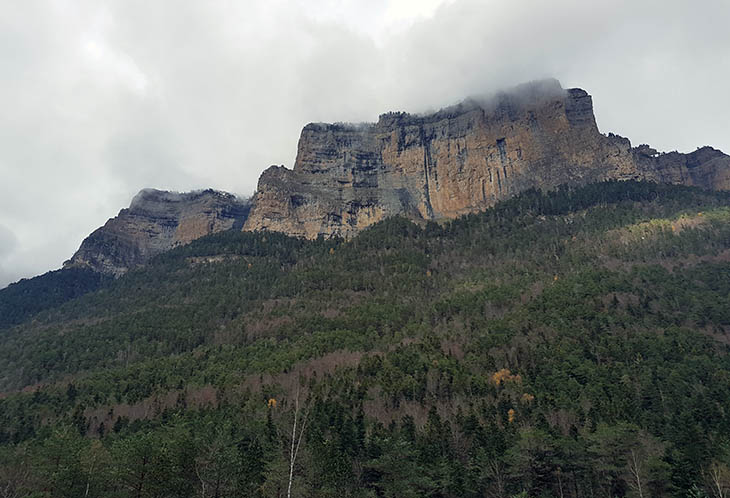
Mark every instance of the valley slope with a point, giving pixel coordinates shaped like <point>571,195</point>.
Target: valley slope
<point>537,346</point>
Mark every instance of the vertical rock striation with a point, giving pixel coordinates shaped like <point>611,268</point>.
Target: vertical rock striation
<point>441,165</point>
<point>458,160</point>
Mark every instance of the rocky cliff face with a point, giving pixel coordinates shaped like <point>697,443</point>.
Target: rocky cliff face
<point>459,160</point>
<point>155,222</point>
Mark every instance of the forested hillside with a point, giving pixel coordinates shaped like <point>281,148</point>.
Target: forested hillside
<point>566,344</point>
<point>27,297</point>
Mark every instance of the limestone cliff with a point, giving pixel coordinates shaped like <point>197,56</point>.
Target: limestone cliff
<point>458,160</point>
<point>155,222</point>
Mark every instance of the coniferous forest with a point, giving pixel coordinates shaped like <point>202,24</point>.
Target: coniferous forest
<point>565,344</point>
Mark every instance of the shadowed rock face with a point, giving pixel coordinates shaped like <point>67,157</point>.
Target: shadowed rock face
<point>459,160</point>
<point>157,221</point>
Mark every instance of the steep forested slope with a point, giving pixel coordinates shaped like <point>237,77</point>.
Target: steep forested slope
<point>21,300</point>
<point>564,344</point>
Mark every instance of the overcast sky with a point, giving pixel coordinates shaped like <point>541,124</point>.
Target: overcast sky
<point>99,99</point>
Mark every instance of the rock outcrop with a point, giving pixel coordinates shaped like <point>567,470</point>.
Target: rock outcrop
<point>455,161</point>
<point>459,160</point>
<point>155,222</point>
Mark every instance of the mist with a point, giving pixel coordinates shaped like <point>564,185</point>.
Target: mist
<point>104,98</point>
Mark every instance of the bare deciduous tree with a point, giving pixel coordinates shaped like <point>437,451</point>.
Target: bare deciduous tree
<point>15,476</point>
<point>718,479</point>
<point>497,474</point>
<point>296,440</point>
<point>635,464</point>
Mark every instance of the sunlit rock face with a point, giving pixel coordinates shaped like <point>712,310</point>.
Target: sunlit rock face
<point>458,160</point>
<point>157,221</point>
<point>436,166</point>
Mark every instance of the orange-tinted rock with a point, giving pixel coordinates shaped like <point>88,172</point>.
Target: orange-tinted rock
<point>459,160</point>
<point>155,222</point>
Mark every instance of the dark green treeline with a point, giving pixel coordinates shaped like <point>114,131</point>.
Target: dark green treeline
<point>566,344</point>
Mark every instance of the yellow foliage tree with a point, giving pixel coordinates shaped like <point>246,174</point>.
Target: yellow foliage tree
<point>504,375</point>
<point>501,375</point>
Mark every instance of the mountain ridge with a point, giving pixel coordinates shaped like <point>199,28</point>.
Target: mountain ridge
<point>157,221</point>
<point>429,167</point>
<point>459,160</point>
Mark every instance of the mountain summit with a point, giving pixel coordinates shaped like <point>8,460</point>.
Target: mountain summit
<point>157,221</point>
<point>459,160</point>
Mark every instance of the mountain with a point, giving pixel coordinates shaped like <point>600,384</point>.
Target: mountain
<point>491,300</point>
<point>437,166</point>
<point>459,160</point>
<point>157,221</point>
<point>571,342</point>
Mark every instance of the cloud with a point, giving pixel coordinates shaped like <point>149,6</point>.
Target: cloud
<point>8,243</point>
<point>103,98</point>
